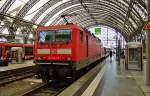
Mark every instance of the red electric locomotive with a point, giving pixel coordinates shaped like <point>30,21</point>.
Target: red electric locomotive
<point>62,50</point>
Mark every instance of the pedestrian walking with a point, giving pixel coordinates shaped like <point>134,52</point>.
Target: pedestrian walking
<point>110,54</point>
<point>122,55</point>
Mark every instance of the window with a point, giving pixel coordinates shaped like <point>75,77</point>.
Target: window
<point>81,36</point>
<point>63,35</point>
<point>47,36</point>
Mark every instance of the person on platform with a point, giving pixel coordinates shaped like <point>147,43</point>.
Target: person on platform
<point>110,54</point>
<point>122,55</point>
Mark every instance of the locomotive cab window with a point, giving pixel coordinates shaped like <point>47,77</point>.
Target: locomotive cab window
<point>63,35</point>
<point>81,36</point>
<point>48,36</point>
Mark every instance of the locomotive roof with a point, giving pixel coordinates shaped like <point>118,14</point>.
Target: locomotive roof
<point>70,25</point>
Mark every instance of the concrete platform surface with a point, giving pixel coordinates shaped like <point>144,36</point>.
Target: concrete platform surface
<point>120,82</point>
<point>16,66</point>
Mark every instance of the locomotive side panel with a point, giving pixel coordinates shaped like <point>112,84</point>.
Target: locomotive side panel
<point>94,49</point>
<point>88,50</point>
<point>81,50</point>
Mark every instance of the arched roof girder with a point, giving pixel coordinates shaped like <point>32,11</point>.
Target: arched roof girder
<point>71,10</point>
<point>135,13</point>
<point>76,8</point>
<point>136,31</point>
<point>111,25</point>
<point>131,24</point>
<point>45,7</point>
<point>111,22</point>
<point>142,3</point>
<point>126,33</point>
<point>97,3</point>
<point>58,9</point>
<point>120,9</point>
<point>108,6</point>
<point>112,10</point>
<point>6,6</point>
<point>83,19</point>
<point>27,7</point>
<point>115,15</point>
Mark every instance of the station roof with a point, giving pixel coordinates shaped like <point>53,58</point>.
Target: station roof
<point>126,16</point>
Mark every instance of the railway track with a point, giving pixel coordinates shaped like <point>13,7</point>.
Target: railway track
<point>44,90</point>
<point>48,90</point>
<point>32,86</point>
<point>13,75</point>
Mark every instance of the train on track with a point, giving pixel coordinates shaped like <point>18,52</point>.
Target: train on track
<point>11,51</point>
<point>63,50</point>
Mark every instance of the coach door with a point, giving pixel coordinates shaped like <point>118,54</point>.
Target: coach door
<point>87,46</point>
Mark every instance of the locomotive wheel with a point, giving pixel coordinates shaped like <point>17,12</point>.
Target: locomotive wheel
<point>74,75</point>
<point>38,76</point>
<point>45,79</point>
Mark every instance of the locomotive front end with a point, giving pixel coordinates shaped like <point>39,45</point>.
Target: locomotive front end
<point>53,53</point>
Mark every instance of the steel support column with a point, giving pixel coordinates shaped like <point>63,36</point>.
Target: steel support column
<point>117,45</point>
<point>147,81</point>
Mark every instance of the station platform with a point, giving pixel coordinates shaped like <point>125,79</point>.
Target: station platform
<point>120,82</point>
<point>27,63</point>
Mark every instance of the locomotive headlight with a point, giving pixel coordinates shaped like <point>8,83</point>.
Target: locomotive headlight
<point>68,58</point>
<point>39,58</point>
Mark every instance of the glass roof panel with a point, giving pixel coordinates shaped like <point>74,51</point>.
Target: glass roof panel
<point>107,36</point>
<point>118,6</point>
<point>3,39</point>
<point>2,2</point>
<point>139,11</point>
<point>34,9</point>
<point>16,7</point>
<point>133,23</point>
<point>30,35</point>
<point>5,31</point>
<point>137,19</point>
<point>49,10</point>
<point>105,9</point>
<point>58,13</point>
<point>122,2</point>
<point>18,31</point>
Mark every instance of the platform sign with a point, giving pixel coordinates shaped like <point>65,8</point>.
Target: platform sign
<point>147,26</point>
<point>98,30</point>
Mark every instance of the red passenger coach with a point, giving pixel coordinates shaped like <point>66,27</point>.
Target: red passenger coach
<point>62,50</point>
<point>6,52</point>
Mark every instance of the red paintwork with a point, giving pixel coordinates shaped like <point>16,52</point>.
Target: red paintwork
<point>8,45</point>
<point>79,50</point>
<point>16,45</point>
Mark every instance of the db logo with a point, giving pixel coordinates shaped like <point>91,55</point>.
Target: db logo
<point>53,51</point>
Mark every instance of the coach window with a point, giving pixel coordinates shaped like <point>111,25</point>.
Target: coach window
<point>81,36</point>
